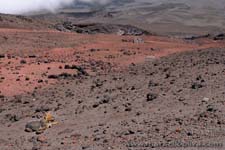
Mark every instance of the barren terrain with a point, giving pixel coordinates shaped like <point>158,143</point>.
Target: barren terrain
<point>110,86</point>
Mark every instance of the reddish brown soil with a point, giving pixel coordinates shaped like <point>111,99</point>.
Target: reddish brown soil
<point>53,50</point>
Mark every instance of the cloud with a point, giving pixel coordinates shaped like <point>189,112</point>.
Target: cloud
<point>26,6</point>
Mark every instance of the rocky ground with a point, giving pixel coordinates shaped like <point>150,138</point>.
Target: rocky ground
<point>111,90</point>
<point>179,97</point>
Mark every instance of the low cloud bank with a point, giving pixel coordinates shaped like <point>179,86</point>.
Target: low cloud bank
<point>26,6</point>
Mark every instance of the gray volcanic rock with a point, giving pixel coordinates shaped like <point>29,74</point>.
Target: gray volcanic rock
<point>101,28</point>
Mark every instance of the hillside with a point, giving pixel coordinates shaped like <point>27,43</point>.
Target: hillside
<point>132,75</point>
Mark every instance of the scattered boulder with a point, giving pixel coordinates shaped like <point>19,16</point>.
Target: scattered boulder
<point>34,126</point>
<point>39,126</point>
<point>12,118</point>
<point>61,76</point>
<point>196,86</point>
<point>2,56</point>
<point>53,76</point>
<point>23,61</point>
<point>40,81</point>
<point>2,96</point>
<point>151,96</point>
<point>98,83</point>
<point>220,36</point>
<point>95,105</point>
<point>129,132</point>
<point>94,50</point>
<point>194,37</point>
<point>128,109</point>
<point>43,108</point>
<point>211,108</point>
<point>152,84</point>
<point>81,70</point>
<point>32,56</point>
<point>106,99</point>
<point>69,67</point>
<point>94,28</point>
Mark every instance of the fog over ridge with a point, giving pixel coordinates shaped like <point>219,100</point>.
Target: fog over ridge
<point>26,6</point>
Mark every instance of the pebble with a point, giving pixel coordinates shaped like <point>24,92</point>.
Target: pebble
<point>205,99</point>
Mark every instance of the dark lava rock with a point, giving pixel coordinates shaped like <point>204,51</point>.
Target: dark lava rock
<point>2,56</point>
<point>81,71</point>
<point>196,86</point>
<point>105,99</point>
<point>199,78</point>
<point>69,67</point>
<point>98,83</point>
<point>12,118</point>
<point>78,68</point>
<point>128,109</point>
<point>151,96</point>
<point>197,37</point>
<point>32,56</point>
<point>1,110</point>
<point>2,96</point>
<point>95,28</point>
<point>43,109</point>
<point>189,134</point>
<point>53,76</point>
<point>94,50</point>
<point>220,36</point>
<point>23,61</point>
<point>61,76</point>
<point>95,105</point>
<point>40,81</point>
<point>210,108</point>
<point>152,84</point>
<point>129,132</point>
